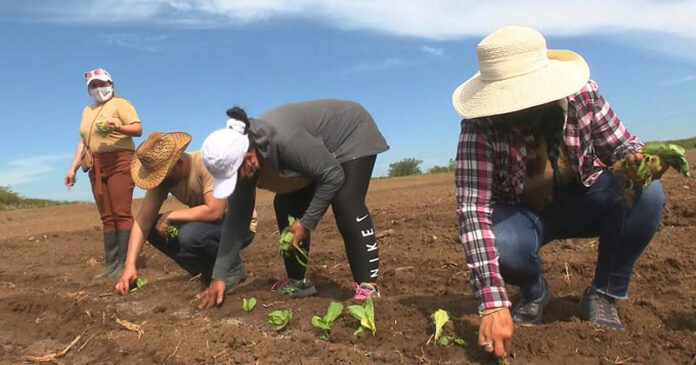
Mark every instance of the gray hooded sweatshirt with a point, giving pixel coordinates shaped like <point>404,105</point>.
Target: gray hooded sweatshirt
<point>308,139</point>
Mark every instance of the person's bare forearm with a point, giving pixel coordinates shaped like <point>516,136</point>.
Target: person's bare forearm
<point>137,237</point>
<point>131,130</point>
<point>202,213</point>
<point>77,157</point>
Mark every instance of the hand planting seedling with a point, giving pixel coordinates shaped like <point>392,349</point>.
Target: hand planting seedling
<point>332,313</point>
<point>440,319</point>
<point>280,318</point>
<point>104,128</point>
<point>286,244</point>
<point>655,156</point>
<point>134,286</point>
<point>365,313</point>
<point>248,305</point>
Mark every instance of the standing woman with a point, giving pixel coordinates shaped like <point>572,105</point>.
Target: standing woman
<point>105,149</point>
<point>311,154</point>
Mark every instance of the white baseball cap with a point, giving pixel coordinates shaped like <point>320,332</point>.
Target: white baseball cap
<point>97,74</point>
<point>222,153</point>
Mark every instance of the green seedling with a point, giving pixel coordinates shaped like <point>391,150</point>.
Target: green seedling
<point>365,313</point>
<point>503,360</point>
<point>104,128</point>
<point>440,318</point>
<point>137,285</point>
<point>248,305</point>
<point>286,245</point>
<point>173,231</point>
<point>280,318</point>
<point>324,324</point>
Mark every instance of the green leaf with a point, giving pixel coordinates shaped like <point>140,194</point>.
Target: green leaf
<point>357,311</point>
<point>139,284</point>
<point>319,322</point>
<point>460,342</point>
<point>280,318</point>
<point>370,313</point>
<point>444,340</point>
<point>671,153</point>
<point>173,230</point>
<point>333,312</point>
<point>248,305</point>
<point>440,318</point>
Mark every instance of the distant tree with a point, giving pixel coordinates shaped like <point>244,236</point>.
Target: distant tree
<point>405,167</point>
<point>439,169</point>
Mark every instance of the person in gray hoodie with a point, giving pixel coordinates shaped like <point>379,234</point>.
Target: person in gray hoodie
<point>312,154</point>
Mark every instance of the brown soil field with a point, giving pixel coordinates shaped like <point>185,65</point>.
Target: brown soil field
<point>48,298</point>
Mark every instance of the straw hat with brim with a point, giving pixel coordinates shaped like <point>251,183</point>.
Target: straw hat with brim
<point>517,72</point>
<point>156,156</point>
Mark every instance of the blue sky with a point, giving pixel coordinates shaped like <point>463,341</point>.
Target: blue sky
<point>182,63</point>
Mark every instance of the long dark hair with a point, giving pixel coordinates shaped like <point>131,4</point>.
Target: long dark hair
<point>552,122</point>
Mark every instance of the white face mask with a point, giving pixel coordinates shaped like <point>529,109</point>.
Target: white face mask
<point>102,94</point>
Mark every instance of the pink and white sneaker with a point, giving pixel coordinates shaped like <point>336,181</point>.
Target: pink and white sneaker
<point>365,290</point>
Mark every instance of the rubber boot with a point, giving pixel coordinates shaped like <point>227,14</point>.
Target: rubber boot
<point>123,237</point>
<point>110,255</point>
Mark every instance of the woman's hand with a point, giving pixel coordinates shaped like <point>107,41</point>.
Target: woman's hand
<point>214,295</point>
<point>495,332</point>
<point>112,126</point>
<point>130,274</point>
<point>69,179</point>
<point>299,232</point>
<point>162,224</point>
<point>656,166</point>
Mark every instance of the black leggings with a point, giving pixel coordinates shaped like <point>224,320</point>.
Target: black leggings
<point>352,218</point>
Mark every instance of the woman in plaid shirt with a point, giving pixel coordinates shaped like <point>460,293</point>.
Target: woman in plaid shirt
<point>527,172</point>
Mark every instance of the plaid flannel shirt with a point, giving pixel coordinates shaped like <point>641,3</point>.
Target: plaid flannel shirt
<point>491,166</point>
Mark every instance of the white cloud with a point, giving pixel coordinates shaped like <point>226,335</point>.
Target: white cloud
<point>382,65</point>
<point>32,168</point>
<point>437,52</point>
<point>681,80</point>
<point>133,40</point>
<point>434,19</point>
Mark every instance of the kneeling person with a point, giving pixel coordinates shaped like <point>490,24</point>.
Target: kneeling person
<point>161,167</point>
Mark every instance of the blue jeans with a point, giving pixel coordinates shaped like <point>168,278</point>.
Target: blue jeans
<point>580,212</point>
<point>195,248</point>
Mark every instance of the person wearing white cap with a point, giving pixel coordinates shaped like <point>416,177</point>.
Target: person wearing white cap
<point>533,126</point>
<point>105,150</point>
<point>311,154</point>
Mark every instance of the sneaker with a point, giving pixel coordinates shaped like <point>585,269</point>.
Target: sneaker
<point>298,288</point>
<point>600,309</point>
<point>365,290</point>
<point>531,312</point>
<point>235,277</point>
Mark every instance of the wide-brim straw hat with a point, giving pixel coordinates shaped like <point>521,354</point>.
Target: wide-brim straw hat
<point>156,156</point>
<point>517,72</point>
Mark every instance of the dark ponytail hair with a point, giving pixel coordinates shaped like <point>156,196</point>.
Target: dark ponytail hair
<point>239,114</point>
<point>552,122</point>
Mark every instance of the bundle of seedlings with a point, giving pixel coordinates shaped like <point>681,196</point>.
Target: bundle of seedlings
<point>657,157</point>
<point>286,245</point>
